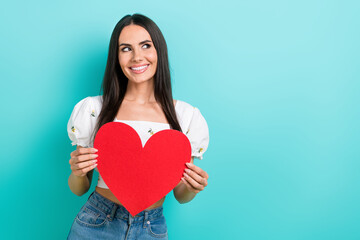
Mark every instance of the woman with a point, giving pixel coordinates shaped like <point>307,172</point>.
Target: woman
<point>136,91</point>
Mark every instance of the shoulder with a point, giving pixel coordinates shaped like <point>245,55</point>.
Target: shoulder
<point>186,113</point>
<point>96,101</point>
<point>195,127</point>
<point>185,109</point>
<point>83,119</point>
<point>90,100</point>
<point>90,104</point>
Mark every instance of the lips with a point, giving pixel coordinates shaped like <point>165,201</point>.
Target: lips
<point>139,68</point>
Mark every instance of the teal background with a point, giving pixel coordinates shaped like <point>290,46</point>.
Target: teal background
<point>277,82</point>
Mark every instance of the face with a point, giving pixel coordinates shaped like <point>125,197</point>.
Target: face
<point>137,54</point>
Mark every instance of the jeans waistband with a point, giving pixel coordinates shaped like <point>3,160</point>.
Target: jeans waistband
<point>114,210</point>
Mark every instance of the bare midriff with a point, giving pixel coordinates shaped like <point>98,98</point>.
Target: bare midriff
<point>109,195</point>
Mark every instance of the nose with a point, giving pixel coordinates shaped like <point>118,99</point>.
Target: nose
<point>137,56</point>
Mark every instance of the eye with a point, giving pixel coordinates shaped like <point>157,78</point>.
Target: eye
<point>148,45</point>
<point>124,49</point>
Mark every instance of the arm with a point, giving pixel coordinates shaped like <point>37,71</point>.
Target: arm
<point>79,185</point>
<point>194,180</point>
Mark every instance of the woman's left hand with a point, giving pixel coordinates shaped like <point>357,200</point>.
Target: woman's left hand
<point>195,178</point>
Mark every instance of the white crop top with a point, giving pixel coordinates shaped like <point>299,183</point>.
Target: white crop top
<point>84,116</point>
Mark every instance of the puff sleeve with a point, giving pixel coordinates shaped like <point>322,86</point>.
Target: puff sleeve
<point>198,134</point>
<point>81,123</point>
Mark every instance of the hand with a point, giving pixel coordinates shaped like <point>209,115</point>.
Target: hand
<point>195,178</point>
<point>82,161</point>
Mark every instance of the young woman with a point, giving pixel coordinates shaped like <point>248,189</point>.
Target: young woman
<point>136,91</point>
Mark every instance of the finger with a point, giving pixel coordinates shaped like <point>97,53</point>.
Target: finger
<point>86,157</point>
<point>84,150</point>
<point>196,169</point>
<point>74,154</point>
<point>195,176</point>
<point>81,161</point>
<point>189,186</point>
<point>193,183</point>
<point>83,171</point>
<point>84,164</point>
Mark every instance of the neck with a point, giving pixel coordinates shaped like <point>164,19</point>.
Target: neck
<point>141,93</point>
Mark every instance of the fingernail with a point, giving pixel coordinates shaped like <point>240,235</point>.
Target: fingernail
<point>94,150</point>
<point>187,170</point>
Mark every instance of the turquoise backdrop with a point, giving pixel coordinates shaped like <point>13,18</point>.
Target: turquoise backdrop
<point>277,82</point>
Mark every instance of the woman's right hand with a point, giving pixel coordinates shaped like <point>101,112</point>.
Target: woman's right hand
<point>83,160</point>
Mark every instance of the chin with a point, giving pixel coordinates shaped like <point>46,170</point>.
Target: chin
<point>139,80</point>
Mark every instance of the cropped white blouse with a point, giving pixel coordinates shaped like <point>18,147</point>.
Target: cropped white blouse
<point>84,116</point>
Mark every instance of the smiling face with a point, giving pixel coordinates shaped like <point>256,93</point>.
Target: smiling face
<point>137,54</point>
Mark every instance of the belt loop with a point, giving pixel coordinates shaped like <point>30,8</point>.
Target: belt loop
<point>145,219</point>
<point>113,211</point>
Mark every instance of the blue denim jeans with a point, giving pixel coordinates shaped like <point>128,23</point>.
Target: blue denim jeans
<point>101,218</point>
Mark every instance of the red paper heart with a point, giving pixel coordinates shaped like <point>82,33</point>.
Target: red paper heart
<point>137,176</point>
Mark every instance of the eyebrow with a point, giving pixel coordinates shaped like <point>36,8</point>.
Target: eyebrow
<point>127,44</point>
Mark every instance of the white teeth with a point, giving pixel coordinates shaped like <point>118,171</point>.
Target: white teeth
<point>139,68</point>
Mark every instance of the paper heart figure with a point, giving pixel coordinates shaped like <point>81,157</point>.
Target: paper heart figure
<point>140,176</point>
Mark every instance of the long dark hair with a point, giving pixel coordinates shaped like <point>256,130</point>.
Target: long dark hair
<point>115,82</point>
